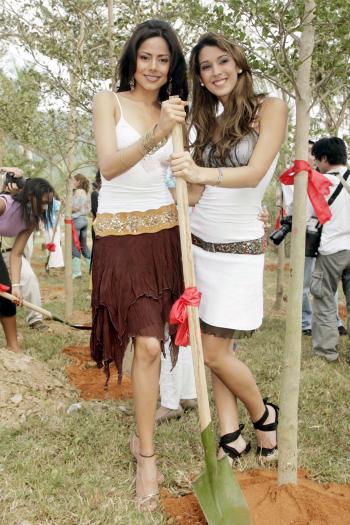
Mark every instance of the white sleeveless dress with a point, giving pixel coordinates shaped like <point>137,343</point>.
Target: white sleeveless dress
<point>231,284</point>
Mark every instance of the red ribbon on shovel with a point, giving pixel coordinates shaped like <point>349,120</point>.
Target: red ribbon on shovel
<point>74,234</point>
<point>178,314</point>
<point>318,187</point>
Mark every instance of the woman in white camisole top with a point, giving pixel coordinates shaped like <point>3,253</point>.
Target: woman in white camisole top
<point>234,157</point>
<point>136,267</point>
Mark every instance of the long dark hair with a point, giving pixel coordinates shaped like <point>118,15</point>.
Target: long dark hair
<point>242,107</point>
<point>32,193</point>
<point>177,72</point>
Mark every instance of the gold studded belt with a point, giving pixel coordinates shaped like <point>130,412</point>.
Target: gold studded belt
<point>135,222</point>
<point>253,247</point>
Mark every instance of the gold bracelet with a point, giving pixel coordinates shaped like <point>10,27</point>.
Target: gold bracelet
<point>149,143</point>
<point>220,177</point>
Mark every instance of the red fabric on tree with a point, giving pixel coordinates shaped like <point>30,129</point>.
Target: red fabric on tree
<point>74,233</point>
<point>178,314</point>
<point>318,186</point>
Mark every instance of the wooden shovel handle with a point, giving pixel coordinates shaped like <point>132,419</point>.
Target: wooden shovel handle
<point>189,278</point>
<point>13,298</point>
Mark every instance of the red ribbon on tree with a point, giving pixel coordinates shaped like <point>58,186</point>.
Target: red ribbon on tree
<point>318,187</point>
<point>74,233</point>
<point>278,219</point>
<point>178,314</point>
<point>50,246</point>
<point>4,288</point>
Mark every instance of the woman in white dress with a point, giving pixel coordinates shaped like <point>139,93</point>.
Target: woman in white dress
<point>232,163</point>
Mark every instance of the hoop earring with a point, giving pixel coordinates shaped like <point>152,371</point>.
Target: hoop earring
<point>132,84</point>
<point>169,88</point>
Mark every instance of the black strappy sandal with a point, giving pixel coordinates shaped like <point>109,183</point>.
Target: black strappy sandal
<point>268,427</point>
<point>229,438</point>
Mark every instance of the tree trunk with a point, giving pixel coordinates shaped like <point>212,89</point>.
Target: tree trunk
<point>280,257</point>
<point>111,51</point>
<point>288,429</point>
<point>68,281</point>
<point>72,135</point>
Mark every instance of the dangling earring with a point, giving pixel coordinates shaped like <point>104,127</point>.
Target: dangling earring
<point>169,88</point>
<point>132,84</point>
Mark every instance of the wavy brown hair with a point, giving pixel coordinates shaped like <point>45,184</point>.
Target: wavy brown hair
<point>240,112</point>
<point>83,183</point>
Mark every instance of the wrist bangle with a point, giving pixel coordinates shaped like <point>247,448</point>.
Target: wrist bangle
<point>16,285</point>
<point>220,177</point>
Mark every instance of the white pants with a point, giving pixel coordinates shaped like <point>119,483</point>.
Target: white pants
<point>30,287</point>
<point>178,383</point>
<point>56,258</point>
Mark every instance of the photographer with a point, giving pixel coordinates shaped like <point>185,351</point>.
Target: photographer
<point>19,216</point>
<point>278,236</point>
<point>333,263</point>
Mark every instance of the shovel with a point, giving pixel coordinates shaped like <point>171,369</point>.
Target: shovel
<point>45,313</point>
<point>217,489</point>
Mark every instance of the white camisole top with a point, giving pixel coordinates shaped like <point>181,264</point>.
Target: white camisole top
<point>142,187</point>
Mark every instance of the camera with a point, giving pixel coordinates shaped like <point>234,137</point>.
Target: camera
<point>278,235</point>
<point>11,179</point>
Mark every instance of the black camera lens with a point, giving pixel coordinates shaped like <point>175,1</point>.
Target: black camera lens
<point>278,235</point>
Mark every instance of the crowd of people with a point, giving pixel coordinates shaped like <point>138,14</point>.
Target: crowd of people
<point>136,257</point>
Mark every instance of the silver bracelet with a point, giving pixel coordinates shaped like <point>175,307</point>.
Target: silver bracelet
<point>220,177</point>
<point>16,285</point>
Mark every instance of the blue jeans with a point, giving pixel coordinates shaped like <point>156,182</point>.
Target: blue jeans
<point>81,226</point>
<point>306,314</point>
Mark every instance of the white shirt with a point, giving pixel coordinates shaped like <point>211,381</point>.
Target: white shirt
<point>336,232</point>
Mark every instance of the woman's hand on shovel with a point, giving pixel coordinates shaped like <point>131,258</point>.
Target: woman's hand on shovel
<point>182,165</point>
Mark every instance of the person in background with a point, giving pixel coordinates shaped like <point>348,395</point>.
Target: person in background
<point>177,385</point>
<point>19,216</point>
<point>333,263</point>
<point>80,209</point>
<point>29,281</point>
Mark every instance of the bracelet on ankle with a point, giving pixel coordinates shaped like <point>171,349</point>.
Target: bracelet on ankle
<point>144,456</point>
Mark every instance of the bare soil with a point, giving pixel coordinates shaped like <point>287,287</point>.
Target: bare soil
<point>308,503</point>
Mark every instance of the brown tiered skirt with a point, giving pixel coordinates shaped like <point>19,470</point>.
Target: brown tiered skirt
<point>136,279</point>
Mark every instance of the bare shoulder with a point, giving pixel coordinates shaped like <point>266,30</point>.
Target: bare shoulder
<point>105,101</point>
<point>273,104</point>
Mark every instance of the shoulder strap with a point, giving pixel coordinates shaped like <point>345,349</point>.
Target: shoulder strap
<point>338,188</point>
<point>119,104</point>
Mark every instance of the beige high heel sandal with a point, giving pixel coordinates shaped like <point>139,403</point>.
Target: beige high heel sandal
<point>148,502</point>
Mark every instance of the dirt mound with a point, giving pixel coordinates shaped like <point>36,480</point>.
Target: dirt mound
<point>28,386</point>
<point>308,503</point>
<point>91,380</point>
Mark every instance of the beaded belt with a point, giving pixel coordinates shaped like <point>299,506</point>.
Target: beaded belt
<point>135,222</point>
<point>253,247</point>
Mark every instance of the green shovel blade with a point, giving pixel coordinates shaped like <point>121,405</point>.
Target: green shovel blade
<point>217,489</point>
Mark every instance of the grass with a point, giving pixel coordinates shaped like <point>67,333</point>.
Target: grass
<point>75,469</point>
